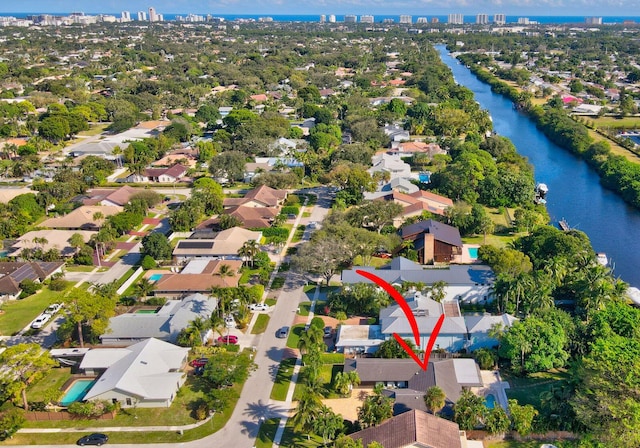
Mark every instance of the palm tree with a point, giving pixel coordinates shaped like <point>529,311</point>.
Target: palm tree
<point>98,217</point>
<point>309,407</point>
<point>434,399</point>
<point>144,288</point>
<point>225,271</point>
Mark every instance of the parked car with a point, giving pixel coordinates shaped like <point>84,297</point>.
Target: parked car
<point>229,321</point>
<point>291,216</point>
<point>328,331</point>
<point>53,308</point>
<point>40,321</point>
<point>199,362</point>
<point>93,439</point>
<point>198,371</point>
<point>230,339</point>
<point>283,332</point>
<point>258,307</point>
<point>382,254</point>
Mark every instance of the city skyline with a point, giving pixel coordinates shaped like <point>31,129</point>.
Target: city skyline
<point>284,7</point>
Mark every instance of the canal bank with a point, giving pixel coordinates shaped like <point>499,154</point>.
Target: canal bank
<point>575,192</point>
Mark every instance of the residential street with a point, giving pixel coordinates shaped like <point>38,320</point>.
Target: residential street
<point>254,404</point>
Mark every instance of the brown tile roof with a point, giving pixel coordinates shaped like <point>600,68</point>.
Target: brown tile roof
<point>200,282</point>
<point>412,427</point>
<point>267,195</point>
<point>429,196</point>
<point>82,217</point>
<point>121,196</point>
<point>253,217</point>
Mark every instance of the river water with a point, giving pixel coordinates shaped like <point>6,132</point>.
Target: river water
<point>575,193</point>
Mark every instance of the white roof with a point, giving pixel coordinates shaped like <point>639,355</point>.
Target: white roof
<point>195,266</point>
<point>150,370</point>
<point>466,371</point>
<point>482,323</point>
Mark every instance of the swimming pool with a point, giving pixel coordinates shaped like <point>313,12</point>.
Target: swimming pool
<point>473,252</point>
<point>490,401</point>
<point>77,391</point>
<point>155,277</point>
<point>424,177</point>
<point>154,311</point>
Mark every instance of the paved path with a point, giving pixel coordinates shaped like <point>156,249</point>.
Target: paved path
<point>254,404</point>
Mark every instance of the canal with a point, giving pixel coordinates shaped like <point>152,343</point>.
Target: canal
<point>575,193</point>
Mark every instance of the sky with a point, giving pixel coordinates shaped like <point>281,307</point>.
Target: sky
<point>390,7</point>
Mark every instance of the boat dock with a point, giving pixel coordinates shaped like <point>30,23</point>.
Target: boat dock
<point>564,225</point>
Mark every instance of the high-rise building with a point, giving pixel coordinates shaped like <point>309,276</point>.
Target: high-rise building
<point>593,20</point>
<point>142,16</point>
<point>366,19</point>
<point>455,19</point>
<point>422,20</point>
<point>435,20</point>
<point>159,17</point>
<point>332,18</point>
<point>482,19</point>
<point>499,19</point>
<point>125,16</point>
<point>323,18</point>
<point>350,18</point>
<point>406,19</point>
<point>152,14</point>
<point>523,20</point>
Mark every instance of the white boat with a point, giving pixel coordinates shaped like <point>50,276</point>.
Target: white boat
<point>634,295</point>
<point>541,193</point>
<point>602,258</point>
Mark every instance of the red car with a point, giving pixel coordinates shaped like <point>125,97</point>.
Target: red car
<point>199,362</point>
<point>231,339</point>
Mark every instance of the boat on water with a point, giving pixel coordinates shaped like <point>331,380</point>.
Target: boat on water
<point>602,258</point>
<point>541,193</point>
<point>564,225</point>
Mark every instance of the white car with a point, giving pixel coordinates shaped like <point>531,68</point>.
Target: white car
<point>229,321</point>
<point>258,307</point>
<point>53,308</point>
<point>40,321</point>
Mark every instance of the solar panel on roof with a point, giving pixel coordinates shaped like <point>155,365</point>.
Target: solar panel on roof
<point>195,244</point>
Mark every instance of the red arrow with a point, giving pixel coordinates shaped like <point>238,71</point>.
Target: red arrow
<point>395,295</point>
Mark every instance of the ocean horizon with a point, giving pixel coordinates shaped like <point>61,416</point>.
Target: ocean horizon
<point>378,18</point>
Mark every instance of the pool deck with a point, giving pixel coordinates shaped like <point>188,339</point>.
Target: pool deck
<point>152,272</point>
<point>493,385</point>
<point>465,258</point>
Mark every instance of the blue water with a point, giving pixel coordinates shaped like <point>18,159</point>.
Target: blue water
<point>378,17</point>
<point>425,178</point>
<point>575,192</point>
<point>155,277</point>
<point>77,391</point>
<point>473,252</point>
<point>490,401</point>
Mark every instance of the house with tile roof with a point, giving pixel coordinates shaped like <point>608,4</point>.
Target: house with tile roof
<point>120,196</point>
<point>6,194</point>
<point>165,324</point>
<point>250,217</point>
<point>414,202</point>
<point>262,196</point>
<point>224,246</point>
<point>82,218</point>
<point>414,429</point>
<point>47,240</point>
<point>147,374</point>
<point>201,280</point>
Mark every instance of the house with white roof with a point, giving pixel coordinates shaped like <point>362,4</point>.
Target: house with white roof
<point>147,374</point>
<point>166,324</point>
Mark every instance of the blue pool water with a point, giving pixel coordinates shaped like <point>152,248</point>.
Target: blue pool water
<point>473,252</point>
<point>77,391</point>
<point>155,277</point>
<point>490,401</point>
<point>424,177</point>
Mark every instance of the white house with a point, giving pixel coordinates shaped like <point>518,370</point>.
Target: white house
<point>147,374</point>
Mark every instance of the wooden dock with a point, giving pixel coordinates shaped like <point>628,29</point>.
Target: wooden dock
<point>564,225</point>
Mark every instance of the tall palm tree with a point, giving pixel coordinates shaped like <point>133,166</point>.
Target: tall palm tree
<point>309,406</point>
<point>225,271</point>
<point>144,288</point>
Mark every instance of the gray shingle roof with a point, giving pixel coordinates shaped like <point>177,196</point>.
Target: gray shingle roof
<point>440,231</point>
<point>452,275</point>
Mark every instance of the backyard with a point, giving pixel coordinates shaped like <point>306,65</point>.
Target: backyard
<point>17,314</point>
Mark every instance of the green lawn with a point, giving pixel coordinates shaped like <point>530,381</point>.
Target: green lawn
<point>79,268</point>
<point>294,335</point>
<point>270,302</point>
<point>54,379</point>
<point>527,390</point>
<point>267,432</point>
<point>261,324</point>
<point>247,274</point>
<point>616,122</point>
<point>297,236</point>
<point>94,130</point>
<point>376,262</point>
<point>531,444</point>
<point>291,438</point>
<point>283,379</point>
<point>327,372</point>
<point>19,313</point>
<point>304,308</point>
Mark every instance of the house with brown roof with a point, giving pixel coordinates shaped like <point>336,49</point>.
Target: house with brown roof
<point>12,273</point>
<point>414,203</point>
<point>409,148</point>
<point>120,196</point>
<point>160,175</point>
<point>47,240</point>
<point>199,276</point>
<point>435,242</point>
<point>414,429</point>
<point>250,217</point>
<point>224,246</point>
<point>262,196</point>
<point>82,218</point>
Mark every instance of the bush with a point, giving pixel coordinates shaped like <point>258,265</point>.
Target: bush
<point>90,409</point>
<point>256,292</point>
<point>292,199</point>
<point>486,358</point>
<point>202,411</point>
<point>261,260</point>
<point>10,422</point>
<point>84,256</point>
<point>58,284</point>
<point>148,262</point>
<point>29,287</point>
<point>158,301</point>
<point>278,283</point>
<point>289,210</point>
<point>317,322</point>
